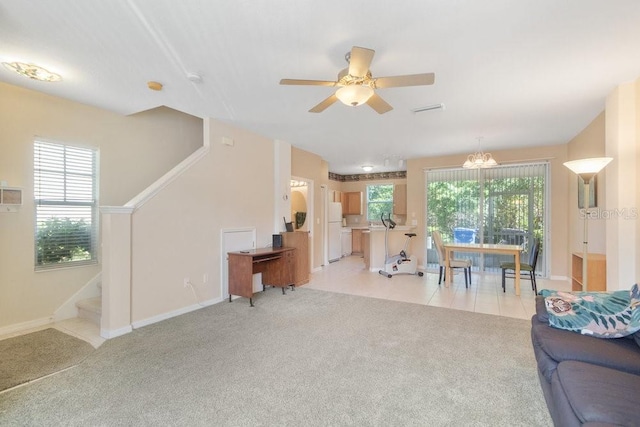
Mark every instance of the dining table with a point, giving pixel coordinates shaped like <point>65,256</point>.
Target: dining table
<point>495,248</point>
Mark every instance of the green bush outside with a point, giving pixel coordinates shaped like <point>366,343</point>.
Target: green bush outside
<point>63,240</point>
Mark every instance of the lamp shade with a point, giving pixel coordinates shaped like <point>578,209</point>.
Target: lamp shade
<point>354,95</point>
<point>588,166</point>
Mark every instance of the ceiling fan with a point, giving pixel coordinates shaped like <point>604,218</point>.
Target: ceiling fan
<point>357,85</point>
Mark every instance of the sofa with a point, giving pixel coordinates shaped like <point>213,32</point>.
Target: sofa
<point>586,380</point>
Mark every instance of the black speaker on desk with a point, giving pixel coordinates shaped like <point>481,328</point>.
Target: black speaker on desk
<point>277,241</point>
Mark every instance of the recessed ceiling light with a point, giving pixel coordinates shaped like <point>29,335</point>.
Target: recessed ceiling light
<point>367,168</point>
<point>32,71</point>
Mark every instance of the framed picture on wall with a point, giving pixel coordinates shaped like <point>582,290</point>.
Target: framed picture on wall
<point>593,185</point>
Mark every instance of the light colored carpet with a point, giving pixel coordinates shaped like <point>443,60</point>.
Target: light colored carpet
<point>31,356</point>
<point>308,358</point>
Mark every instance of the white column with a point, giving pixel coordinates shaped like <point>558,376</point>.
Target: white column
<point>116,271</point>
<point>622,185</point>
<point>282,184</point>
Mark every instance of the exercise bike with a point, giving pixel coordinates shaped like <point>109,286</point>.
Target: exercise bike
<point>400,263</point>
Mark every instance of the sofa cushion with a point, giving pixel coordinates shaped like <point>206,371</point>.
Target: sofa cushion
<point>587,394</point>
<point>612,314</point>
<point>552,346</point>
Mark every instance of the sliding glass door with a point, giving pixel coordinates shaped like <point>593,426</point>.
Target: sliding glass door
<point>503,204</point>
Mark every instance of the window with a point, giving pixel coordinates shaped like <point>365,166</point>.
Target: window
<point>379,201</point>
<point>65,192</point>
<point>505,204</point>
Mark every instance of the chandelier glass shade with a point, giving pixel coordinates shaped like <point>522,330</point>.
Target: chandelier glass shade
<point>32,71</point>
<point>354,95</point>
<point>479,160</point>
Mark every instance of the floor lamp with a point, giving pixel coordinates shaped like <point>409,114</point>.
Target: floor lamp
<point>586,169</point>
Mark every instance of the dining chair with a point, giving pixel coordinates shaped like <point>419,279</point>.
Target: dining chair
<point>529,267</point>
<point>454,263</point>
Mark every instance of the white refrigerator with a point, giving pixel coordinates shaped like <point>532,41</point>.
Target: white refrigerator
<point>335,228</point>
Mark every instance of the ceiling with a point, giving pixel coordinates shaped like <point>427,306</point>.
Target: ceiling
<point>516,73</point>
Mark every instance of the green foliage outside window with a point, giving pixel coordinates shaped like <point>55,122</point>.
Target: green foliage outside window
<point>379,201</point>
<point>510,205</point>
<point>63,240</point>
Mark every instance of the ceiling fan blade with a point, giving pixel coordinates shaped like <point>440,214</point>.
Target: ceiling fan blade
<point>380,105</point>
<point>324,104</point>
<point>408,80</point>
<point>307,82</point>
<point>360,60</point>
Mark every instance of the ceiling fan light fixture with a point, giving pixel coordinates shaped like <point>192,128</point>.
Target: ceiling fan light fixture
<point>32,71</point>
<point>354,95</point>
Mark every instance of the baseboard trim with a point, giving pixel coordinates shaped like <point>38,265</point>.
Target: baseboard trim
<point>113,333</point>
<point>174,313</point>
<point>31,324</point>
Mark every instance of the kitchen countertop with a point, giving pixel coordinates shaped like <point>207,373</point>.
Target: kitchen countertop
<point>397,228</point>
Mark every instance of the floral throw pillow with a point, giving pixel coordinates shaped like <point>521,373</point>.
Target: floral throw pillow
<point>599,314</point>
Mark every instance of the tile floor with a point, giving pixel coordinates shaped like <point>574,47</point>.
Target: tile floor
<point>483,296</point>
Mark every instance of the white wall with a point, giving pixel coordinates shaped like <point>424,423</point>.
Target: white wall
<point>622,206</point>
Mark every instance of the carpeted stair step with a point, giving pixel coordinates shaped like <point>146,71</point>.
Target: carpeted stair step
<point>90,309</point>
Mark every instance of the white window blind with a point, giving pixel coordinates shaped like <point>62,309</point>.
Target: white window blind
<point>504,204</point>
<point>65,193</point>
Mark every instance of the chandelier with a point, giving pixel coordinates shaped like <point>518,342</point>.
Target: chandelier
<point>479,159</point>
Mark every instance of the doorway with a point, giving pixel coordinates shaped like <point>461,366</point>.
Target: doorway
<point>302,209</point>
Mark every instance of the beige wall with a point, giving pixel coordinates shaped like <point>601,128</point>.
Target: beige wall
<point>134,152</point>
<point>557,154</point>
<point>177,234</point>
<point>312,167</point>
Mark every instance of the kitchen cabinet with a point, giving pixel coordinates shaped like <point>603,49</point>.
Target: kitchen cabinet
<point>352,203</point>
<point>356,241</point>
<point>337,196</point>
<point>400,199</point>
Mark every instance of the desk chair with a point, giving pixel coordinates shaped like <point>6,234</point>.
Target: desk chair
<point>455,263</point>
<point>529,267</point>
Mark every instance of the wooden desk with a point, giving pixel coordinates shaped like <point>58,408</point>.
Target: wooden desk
<point>276,266</point>
<point>514,250</point>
